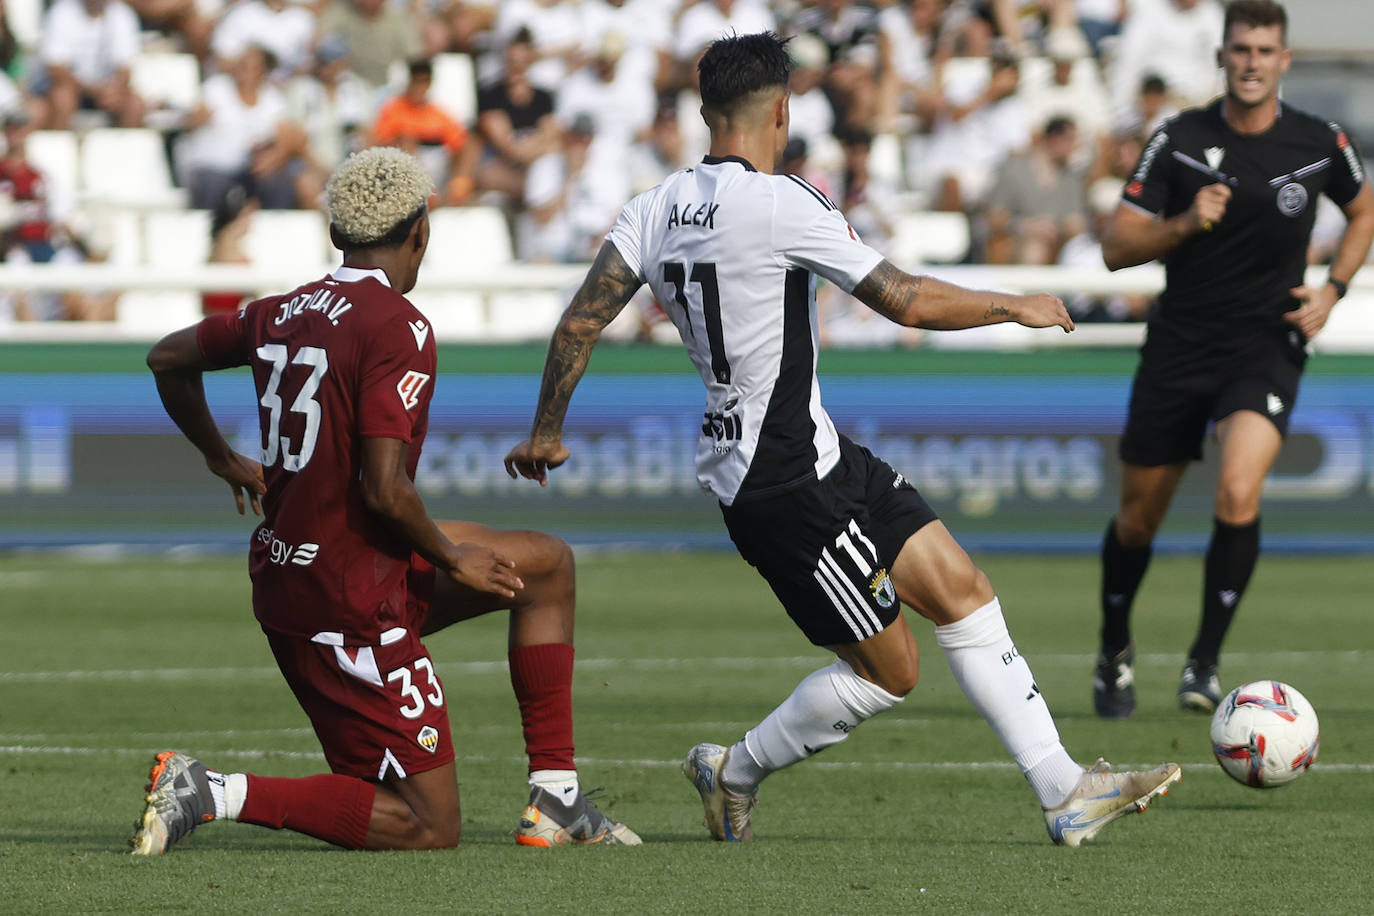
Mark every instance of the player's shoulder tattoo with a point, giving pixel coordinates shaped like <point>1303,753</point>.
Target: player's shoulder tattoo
<point>888,290</point>
<point>609,285</point>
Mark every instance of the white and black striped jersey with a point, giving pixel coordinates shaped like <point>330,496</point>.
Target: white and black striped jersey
<point>732,255</point>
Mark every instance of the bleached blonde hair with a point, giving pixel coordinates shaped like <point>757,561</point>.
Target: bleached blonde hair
<point>374,191</point>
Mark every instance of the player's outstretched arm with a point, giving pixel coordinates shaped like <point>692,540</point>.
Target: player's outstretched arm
<point>608,286</point>
<point>389,492</point>
<point>924,302</point>
<point>178,366</point>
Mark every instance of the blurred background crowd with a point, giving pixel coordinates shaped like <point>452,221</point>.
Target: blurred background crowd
<point>983,131</point>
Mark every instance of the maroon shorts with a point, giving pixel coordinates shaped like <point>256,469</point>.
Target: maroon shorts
<point>378,711</point>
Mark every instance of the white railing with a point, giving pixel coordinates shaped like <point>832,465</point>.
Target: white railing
<point>522,302</point>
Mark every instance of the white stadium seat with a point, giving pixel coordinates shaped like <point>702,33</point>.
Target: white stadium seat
<point>153,313</point>
<point>930,237</point>
<point>466,239</point>
<point>127,166</point>
<point>529,315</point>
<point>168,81</point>
<point>297,239</point>
<point>455,316</point>
<point>176,238</point>
<point>55,153</point>
<point>455,87</point>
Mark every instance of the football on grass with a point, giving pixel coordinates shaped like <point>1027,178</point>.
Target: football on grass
<point>1264,734</point>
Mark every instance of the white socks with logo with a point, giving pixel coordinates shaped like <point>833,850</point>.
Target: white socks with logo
<point>822,710</point>
<point>999,684</point>
<point>561,784</point>
<point>228,790</point>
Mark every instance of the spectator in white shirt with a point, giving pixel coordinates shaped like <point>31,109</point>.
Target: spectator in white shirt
<point>241,136</point>
<point>981,123</point>
<point>87,48</point>
<point>285,29</point>
<point>620,104</point>
<point>649,26</point>
<point>707,20</point>
<point>1173,39</point>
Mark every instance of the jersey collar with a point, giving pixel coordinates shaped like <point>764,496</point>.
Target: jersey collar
<point>346,274</point>
<point>719,160</point>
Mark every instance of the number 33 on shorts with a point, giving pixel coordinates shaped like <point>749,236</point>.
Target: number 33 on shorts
<point>410,690</point>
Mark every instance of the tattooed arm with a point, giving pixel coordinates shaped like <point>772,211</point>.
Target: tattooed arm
<point>609,285</point>
<point>925,302</point>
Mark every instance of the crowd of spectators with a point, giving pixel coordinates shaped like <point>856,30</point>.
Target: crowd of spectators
<point>1023,114</point>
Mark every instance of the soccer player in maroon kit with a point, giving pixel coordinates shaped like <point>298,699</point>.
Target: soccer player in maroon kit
<point>348,569</point>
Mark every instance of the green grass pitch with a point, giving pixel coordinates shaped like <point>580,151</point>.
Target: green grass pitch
<point>103,663</point>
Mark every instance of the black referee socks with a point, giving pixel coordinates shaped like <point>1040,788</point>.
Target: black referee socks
<point>1231,558</point>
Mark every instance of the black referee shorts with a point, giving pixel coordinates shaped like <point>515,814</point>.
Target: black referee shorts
<point>1173,399</point>
<point>825,547</point>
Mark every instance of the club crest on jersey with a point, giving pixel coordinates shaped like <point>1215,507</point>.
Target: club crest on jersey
<point>409,388</point>
<point>428,738</point>
<point>881,587</point>
<point>1292,198</point>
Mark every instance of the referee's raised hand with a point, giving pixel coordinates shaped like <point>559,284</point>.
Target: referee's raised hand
<point>1209,206</point>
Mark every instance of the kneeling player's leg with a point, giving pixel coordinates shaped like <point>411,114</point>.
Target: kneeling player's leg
<point>937,579</point>
<point>540,650</point>
<point>418,812</point>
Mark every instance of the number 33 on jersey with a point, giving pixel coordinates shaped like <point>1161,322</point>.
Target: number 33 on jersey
<point>334,361</point>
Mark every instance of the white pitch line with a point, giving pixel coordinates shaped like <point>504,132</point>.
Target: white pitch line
<point>614,763</point>
<point>446,668</point>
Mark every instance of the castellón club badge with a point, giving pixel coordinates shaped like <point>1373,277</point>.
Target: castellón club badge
<point>428,738</point>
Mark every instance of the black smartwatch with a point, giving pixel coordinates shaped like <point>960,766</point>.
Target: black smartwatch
<point>1341,288</point>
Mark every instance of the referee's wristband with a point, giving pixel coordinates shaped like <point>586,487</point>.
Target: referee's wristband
<point>1341,288</point>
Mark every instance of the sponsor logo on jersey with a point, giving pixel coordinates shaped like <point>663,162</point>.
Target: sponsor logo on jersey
<point>881,587</point>
<point>428,738</point>
<point>1348,151</point>
<point>421,331</point>
<point>1274,404</point>
<point>282,553</point>
<point>1214,155</point>
<point>1147,159</point>
<point>409,388</point>
<point>1292,198</point>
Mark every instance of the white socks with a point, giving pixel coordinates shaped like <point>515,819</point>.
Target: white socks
<point>229,791</point>
<point>561,784</point>
<point>999,684</point>
<point>823,709</point>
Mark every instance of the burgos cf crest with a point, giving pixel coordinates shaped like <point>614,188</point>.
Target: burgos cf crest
<point>428,738</point>
<point>881,587</point>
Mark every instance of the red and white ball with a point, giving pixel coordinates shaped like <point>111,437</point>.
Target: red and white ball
<point>1264,734</point>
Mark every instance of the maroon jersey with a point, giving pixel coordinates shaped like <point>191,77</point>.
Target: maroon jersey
<point>334,361</point>
<point>25,186</point>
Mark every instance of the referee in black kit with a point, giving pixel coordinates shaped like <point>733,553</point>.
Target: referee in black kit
<point>1225,196</point>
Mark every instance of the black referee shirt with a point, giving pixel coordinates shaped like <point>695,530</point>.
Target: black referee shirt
<point>1232,283</point>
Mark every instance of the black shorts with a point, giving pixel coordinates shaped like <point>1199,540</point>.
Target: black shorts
<point>825,546</point>
<point>1172,408</point>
